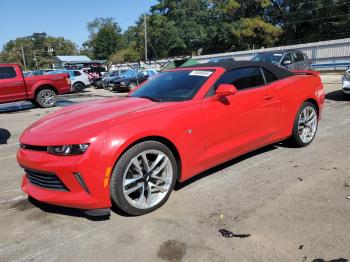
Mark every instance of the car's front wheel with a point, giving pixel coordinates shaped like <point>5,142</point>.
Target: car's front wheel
<point>143,178</point>
<point>132,85</point>
<point>305,125</point>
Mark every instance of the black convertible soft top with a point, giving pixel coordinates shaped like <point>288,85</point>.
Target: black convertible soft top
<point>278,71</point>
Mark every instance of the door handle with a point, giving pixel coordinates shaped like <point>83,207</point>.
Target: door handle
<point>18,83</point>
<point>268,97</point>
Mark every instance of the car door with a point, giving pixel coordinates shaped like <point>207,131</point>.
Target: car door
<point>288,61</point>
<point>308,62</point>
<point>239,123</point>
<point>12,86</point>
<point>298,58</point>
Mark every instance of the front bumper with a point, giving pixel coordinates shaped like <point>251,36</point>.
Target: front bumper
<point>82,180</point>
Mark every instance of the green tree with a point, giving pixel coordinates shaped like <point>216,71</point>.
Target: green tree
<point>210,26</point>
<point>126,55</point>
<point>105,37</point>
<point>310,20</point>
<point>36,46</point>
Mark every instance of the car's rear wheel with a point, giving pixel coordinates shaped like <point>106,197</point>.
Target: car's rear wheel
<point>78,87</point>
<point>132,85</point>
<point>46,98</point>
<point>143,178</point>
<point>305,125</point>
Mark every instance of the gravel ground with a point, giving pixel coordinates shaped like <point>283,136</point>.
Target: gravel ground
<point>291,203</point>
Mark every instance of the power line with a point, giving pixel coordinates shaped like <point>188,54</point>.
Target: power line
<point>154,51</point>
<point>316,19</point>
<point>310,9</point>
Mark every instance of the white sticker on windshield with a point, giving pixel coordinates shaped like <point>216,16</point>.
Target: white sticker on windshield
<point>200,73</point>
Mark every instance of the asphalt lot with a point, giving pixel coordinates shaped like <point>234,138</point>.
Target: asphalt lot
<point>292,202</point>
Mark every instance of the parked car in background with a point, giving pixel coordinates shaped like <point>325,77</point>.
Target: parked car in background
<point>26,73</point>
<point>107,81</point>
<point>79,79</point>
<point>39,72</point>
<point>346,83</point>
<point>41,89</point>
<point>291,59</point>
<point>132,81</point>
<point>113,76</point>
<point>130,151</point>
<point>97,82</point>
<point>216,60</point>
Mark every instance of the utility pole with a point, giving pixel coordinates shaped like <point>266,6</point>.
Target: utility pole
<point>145,22</point>
<point>24,59</point>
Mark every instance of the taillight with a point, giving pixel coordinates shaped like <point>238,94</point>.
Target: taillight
<point>68,80</point>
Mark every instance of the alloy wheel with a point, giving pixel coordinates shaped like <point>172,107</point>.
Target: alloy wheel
<point>132,85</point>
<point>47,98</point>
<point>147,179</point>
<point>307,124</point>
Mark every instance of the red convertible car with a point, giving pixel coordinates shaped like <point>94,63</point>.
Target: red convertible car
<point>130,151</point>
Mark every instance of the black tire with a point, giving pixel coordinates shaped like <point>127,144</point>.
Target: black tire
<point>42,102</point>
<point>132,85</point>
<point>78,87</point>
<point>116,183</point>
<point>295,139</point>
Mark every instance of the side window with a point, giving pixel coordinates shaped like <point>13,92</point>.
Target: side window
<point>77,73</point>
<point>298,57</point>
<point>269,77</point>
<point>243,78</point>
<point>287,60</point>
<point>7,72</point>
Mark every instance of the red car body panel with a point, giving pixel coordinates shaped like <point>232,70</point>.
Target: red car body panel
<point>202,132</point>
<point>25,88</point>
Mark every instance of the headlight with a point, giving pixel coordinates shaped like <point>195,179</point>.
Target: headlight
<point>68,150</point>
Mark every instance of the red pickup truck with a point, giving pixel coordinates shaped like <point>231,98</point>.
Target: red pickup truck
<point>41,90</point>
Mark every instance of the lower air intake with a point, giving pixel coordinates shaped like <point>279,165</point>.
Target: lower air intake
<point>45,180</point>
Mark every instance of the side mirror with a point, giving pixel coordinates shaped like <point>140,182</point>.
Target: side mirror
<point>226,90</point>
<point>287,62</point>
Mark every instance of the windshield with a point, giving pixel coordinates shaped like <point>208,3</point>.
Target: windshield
<point>129,73</point>
<point>173,85</point>
<point>273,58</point>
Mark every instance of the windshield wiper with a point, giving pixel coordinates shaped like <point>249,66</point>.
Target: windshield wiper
<point>150,98</point>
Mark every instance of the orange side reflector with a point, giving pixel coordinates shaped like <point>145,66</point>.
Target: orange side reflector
<point>107,176</point>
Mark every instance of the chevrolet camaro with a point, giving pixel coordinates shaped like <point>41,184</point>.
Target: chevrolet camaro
<point>130,151</point>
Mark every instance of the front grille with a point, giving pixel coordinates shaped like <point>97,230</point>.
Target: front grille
<point>45,180</point>
<point>34,148</point>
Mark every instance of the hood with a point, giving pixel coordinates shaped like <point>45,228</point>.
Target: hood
<point>125,79</point>
<point>79,123</point>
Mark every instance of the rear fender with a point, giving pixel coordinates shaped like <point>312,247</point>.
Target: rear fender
<point>40,84</point>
